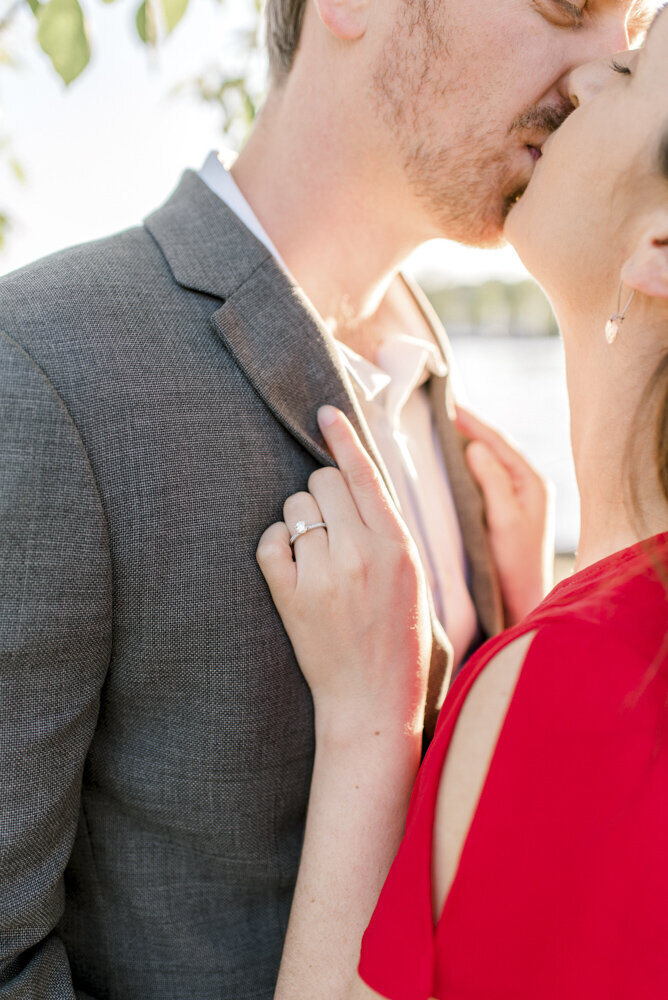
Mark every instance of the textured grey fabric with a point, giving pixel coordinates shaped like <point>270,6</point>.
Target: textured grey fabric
<point>158,393</point>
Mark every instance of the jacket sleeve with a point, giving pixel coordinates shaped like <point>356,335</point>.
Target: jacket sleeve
<point>55,640</point>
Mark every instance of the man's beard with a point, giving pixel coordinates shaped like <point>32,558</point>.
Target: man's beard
<point>467,190</point>
<point>467,186</point>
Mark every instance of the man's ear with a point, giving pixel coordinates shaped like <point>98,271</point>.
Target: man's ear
<point>646,270</point>
<point>346,19</point>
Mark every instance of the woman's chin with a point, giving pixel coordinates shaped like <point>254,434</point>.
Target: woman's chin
<point>526,235</point>
<point>516,228</point>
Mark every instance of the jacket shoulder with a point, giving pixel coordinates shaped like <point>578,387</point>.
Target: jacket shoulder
<point>93,272</point>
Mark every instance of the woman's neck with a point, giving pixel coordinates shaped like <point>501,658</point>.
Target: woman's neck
<point>613,436</point>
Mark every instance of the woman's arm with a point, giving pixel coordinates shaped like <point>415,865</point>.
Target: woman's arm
<point>354,605</point>
<point>357,809</point>
<point>468,761</point>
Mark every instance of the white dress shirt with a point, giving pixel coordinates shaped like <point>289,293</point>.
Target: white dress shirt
<point>395,404</point>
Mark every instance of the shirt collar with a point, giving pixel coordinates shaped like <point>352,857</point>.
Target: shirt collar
<point>403,363</point>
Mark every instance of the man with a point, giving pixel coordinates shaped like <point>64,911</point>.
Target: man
<point>159,392</point>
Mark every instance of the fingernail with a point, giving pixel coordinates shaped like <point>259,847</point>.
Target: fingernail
<point>327,415</point>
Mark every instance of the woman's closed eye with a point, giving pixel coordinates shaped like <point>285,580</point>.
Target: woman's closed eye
<point>619,67</point>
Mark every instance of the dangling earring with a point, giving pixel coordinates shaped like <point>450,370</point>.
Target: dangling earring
<point>617,318</point>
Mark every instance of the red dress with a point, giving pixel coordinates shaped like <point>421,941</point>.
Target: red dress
<point>562,886</point>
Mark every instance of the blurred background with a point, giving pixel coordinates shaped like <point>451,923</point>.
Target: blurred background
<point>103,103</point>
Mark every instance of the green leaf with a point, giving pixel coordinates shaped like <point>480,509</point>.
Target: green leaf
<point>62,35</point>
<point>4,226</point>
<point>173,11</point>
<point>34,6</point>
<point>145,21</point>
<point>249,108</point>
<point>17,170</point>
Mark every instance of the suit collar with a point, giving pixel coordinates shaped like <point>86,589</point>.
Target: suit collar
<point>279,342</point>
<point>205,244</point>
<point>266,321</point>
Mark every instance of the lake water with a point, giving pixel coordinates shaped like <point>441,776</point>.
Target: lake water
<point>519,384</point>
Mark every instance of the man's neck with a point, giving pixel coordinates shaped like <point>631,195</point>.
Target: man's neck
<point>330,215</point>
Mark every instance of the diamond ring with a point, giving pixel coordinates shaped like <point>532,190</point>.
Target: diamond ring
<point>301,527</point>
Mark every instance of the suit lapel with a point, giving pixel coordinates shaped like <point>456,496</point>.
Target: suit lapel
<point>265,321</point>
<point>470,512</point>
<point>290,358</point>
<point>485,588</point>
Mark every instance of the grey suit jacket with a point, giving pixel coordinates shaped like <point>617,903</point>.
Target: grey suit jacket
<point>157,405</point>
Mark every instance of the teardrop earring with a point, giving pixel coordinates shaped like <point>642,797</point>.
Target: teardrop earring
<point>617,318</point>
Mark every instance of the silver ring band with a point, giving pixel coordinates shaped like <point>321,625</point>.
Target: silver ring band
<point>301,527</point>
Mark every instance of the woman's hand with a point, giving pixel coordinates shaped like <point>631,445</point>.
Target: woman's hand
<point>354,605</point>
<point>520,516</point>
<point>353,601</point>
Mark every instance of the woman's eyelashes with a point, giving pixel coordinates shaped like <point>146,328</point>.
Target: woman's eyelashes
<point>620,68</point>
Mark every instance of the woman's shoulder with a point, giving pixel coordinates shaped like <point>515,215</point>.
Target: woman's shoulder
<point>546,701</point>
<point>624,595</point>
<point>469,756</point>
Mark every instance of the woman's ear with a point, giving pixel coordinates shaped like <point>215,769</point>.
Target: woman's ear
<point>346,19</point>
<point>646,270</point>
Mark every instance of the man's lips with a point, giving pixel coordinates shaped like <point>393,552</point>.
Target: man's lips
<point>535,153</point>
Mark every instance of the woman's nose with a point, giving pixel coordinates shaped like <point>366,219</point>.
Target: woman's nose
<point>585,82</point>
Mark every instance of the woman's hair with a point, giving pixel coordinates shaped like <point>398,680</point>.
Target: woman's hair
<point>655,397</point>
<point>660,377</point>
<point>663,155</point>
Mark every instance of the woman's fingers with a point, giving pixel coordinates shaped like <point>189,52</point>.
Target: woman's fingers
<point>505,452</point>
<point>339,510</point>
<point>517,506</point>
<point>359,471</point>
<point>310,547</point>
<point>494,480</point>
<point>274,557</point>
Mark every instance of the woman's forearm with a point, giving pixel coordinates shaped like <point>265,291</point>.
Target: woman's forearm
<point>359,796</point>
<point>353,600</point>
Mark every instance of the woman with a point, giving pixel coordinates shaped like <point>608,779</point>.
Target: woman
<point>534,862</point>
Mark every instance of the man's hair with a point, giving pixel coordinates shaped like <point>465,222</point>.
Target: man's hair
<point>284,27</point>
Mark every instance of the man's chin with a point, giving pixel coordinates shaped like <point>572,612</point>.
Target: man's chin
<point>482,228</point>
<point>493,235</point>
<point>484,233</point>
<point>490,238</point>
